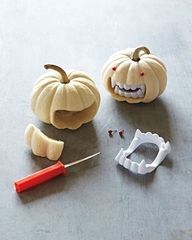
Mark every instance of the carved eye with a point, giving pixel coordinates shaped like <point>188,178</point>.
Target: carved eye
<point>114,68</point>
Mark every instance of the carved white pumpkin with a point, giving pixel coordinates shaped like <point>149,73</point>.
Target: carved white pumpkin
<point>65,99</point>
<point>41,145</point>
<point>135,75</point>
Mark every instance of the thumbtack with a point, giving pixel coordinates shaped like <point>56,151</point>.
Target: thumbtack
<point>111,132</point>
<point>121,133</point>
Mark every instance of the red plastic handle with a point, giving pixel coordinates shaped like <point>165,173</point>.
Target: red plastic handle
<point>40,177</point>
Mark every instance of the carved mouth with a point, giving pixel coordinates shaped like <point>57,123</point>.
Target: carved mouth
<point>128,90</point>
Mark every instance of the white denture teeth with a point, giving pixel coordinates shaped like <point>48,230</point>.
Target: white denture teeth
<point>133,87</point>
<point>113,83</point>
<point>128,90</point>
<point>140,93</point>
<point>143,167</point>
<point>120,85</point>
<point>127,163</point>
<point>116,90</point>
<point>142,88</point>
<point>121,93</point>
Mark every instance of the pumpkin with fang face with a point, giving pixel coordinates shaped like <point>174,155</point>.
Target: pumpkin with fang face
<point>135,75</point>
<point>65,99</point>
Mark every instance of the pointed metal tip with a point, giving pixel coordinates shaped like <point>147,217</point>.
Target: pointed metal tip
<point>81,160</point>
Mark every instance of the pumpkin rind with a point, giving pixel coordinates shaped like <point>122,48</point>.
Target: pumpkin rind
<point>41,145</point>
<point>65,105</point>
<point>122,69</point>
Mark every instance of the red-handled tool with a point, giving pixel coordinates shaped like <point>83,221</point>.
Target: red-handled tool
<point>46,174</point>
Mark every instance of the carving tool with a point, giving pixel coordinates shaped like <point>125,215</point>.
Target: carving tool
<point>46,174</point>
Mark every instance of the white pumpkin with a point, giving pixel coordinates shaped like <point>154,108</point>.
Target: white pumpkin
<point>135,75</point>
<point>65,99</point>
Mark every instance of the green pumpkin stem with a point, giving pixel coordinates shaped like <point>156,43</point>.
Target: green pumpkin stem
<point>135,57</point>
<point>59,70</point>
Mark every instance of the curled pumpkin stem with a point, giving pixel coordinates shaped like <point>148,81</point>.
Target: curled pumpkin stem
<point>135,57</point>
<point>59,70</point>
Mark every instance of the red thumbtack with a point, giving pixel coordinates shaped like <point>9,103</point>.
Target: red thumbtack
<point>46,174</point>
<point>141,73</point>
<point>111,132</point>
<point>121,133</point>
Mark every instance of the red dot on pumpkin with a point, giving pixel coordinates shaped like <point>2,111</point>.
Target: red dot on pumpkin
<point>114,68</point>
<point>141,73</point>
